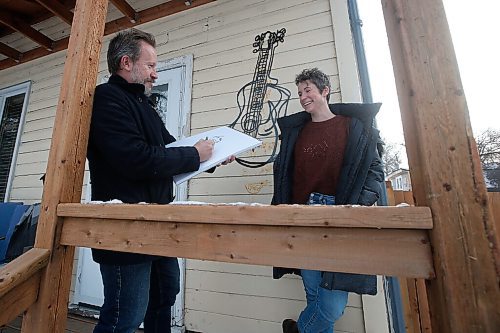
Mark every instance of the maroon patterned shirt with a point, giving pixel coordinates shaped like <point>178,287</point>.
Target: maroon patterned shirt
<point>318,157</point>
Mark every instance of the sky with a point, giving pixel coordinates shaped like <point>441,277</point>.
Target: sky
<point>472,25</point>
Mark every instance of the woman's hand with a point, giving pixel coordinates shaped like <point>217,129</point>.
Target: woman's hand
<point>230,159</point>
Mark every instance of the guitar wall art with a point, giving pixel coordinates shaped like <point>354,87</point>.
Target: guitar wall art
<point>262,101</point>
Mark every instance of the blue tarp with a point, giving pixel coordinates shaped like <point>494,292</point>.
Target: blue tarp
<point>10,213</point>
<point>15,219</point>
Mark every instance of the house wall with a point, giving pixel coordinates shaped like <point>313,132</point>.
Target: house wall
<point>400,180</point>
<point>220,297</point>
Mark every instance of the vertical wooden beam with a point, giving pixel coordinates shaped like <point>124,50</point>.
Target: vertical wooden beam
<point>445,170</point>
<point>66,164</point>
<point>494,200</point>
<point>413,293</point>
<point>407,302</point>
<point>418,307</point>
<point>391,201</point>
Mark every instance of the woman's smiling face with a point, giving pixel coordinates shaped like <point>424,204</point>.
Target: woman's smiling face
<point>311,98</point>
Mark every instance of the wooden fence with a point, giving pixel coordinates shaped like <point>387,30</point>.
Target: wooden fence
<point>413,291</point>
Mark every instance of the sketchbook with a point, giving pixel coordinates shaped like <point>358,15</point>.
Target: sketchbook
<point>227,142</point>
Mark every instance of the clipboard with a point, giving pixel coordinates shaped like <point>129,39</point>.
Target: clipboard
<point>227,142</point>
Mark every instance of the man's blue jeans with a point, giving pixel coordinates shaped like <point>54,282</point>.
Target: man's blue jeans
<point>137,293</point>
<point>324,306</point>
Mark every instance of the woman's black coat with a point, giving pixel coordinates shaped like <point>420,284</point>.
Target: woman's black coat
<point>360,183</point>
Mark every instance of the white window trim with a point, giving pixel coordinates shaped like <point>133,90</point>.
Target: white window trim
<point>25,88</point>
<point>181,190</point>
<point>350,86</point>
<point>187,62</point>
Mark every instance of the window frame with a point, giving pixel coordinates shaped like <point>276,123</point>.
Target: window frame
<point>5,93</point>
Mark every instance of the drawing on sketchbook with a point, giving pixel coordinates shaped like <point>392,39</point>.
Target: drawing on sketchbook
<point>228,142</point>
<point>217,138</point>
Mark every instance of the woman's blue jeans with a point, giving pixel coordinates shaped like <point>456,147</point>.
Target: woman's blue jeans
<point>137,293</point>
<point>324,306</point>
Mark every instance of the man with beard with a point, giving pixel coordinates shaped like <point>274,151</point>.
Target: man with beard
<point>128,161</point>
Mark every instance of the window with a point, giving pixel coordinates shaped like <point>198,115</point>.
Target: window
<point>12,106</point>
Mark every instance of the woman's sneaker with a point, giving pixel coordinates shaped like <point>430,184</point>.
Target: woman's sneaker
<point>289,326</point>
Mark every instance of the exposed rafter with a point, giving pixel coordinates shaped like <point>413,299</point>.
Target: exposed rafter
<point>151,14</point>
<point>126,9</point>
<point>144,16</point>
<point>57,9</point>
<point>10,20</point>
<point>32,18</point>
<point>10,52</point>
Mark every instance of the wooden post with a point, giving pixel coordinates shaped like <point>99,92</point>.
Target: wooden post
<point>494,200</point>
<point>390,194</point>
<point>445,170</point>
<point>66,165</point>
<point>413,293</point>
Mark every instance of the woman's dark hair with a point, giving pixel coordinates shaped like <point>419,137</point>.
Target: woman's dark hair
<point>315,76</point>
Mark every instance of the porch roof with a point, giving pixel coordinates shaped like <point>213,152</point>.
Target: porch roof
<point>26,26</point>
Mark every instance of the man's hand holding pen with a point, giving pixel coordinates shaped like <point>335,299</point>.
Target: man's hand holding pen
<point>205,149</point>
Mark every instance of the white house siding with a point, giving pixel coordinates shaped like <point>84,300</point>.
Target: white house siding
<point>37,130</point>
<point>220,297</point>
<point>229,297</point>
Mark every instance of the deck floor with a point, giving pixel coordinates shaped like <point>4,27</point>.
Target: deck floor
<point>74,324</point>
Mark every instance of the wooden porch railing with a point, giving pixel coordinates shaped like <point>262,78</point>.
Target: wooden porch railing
<point>463,290</point>
<point>19,283</point>
<point>413,291</point>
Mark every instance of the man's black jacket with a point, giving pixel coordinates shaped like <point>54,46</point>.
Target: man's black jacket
<point>127,155</point>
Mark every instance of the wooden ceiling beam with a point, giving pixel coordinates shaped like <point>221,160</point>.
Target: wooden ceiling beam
<point>39,52</point>
<point>57,9</point>
<point>10,52</point>
<point>126,9</point>
<point>151,14</point>
<point>68,4</point>
<point>145,16</point>
<point>10,20</point>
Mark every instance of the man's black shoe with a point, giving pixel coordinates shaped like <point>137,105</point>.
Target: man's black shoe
<point>289,326</point>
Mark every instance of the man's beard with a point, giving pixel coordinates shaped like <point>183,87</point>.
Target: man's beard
<point>137,79</point>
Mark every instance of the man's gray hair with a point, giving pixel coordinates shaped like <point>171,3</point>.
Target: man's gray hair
<point>127,43</point>
<point>317,77</point>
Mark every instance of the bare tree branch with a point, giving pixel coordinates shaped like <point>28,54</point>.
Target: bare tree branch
<point>488,146</point>
<point>391,157</point>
